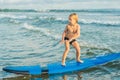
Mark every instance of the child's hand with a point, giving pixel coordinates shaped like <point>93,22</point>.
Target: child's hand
<point>62,41</point>
<point>70,40</point>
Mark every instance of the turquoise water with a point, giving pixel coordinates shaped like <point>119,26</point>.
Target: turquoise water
<point>30,37</point>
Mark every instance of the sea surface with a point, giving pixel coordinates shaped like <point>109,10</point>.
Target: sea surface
<point>31,37</point>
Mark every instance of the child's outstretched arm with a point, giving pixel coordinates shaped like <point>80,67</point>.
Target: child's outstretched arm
<point>63,35</point>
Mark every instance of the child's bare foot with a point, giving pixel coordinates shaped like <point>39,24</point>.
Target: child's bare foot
<point>63,64</point>
<point>80,61</point>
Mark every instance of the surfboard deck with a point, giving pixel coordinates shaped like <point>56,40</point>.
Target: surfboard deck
<point>54,68</point>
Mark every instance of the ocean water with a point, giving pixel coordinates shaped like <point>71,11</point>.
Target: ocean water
<point>30,37</point>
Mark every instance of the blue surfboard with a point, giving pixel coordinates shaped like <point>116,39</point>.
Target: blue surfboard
<point>54,68</point>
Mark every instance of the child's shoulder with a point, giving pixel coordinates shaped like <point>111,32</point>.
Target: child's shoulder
<point>68,25</point>
<point>78,25</point>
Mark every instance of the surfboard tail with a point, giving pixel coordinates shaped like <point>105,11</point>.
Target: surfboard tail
<point>34,70</point>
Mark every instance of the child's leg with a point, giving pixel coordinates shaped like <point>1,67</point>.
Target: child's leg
<point>67,47</point>
<point>77,47</point>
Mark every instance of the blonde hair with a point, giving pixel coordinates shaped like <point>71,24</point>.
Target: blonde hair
<point>74,16</point>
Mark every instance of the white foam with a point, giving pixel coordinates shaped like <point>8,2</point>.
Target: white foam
<point>44,31</point>
<point>30,27</point>
<point>12,16</point>
<point>85,21</point>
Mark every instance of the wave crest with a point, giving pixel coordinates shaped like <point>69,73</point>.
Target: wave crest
<point>51,19</point>
<point>63,10</point>
<point>30,27</point>
<point>97,22</point>
<point>44,31</point>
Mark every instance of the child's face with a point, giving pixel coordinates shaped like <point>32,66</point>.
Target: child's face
<point>72,20</point>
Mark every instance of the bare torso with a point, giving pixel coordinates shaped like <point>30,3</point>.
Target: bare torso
<point>71,31</point>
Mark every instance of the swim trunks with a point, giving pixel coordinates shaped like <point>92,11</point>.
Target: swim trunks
<point>70,41</point>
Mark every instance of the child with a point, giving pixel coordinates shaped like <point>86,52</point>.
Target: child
<point>69,36</point>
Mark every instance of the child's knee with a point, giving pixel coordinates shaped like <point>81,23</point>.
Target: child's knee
<point>78,50</point>
<point>67,49</point>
